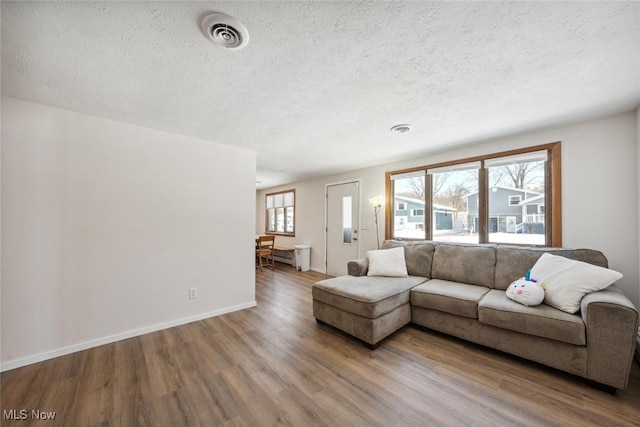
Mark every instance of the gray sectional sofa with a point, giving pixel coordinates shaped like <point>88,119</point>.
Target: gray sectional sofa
<point>459,290</point>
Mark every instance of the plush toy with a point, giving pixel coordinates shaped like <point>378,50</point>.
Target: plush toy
<point>526,291</point>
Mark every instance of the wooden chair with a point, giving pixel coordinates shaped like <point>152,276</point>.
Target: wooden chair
<point>264,252</point>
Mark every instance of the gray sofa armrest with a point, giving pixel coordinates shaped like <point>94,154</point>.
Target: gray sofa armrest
<point>358,267</point>
<point>611,323</point>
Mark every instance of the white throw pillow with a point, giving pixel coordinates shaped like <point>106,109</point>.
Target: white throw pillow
<point>387,262</point>
<point>566,281</point>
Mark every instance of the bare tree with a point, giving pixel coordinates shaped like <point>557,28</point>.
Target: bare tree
<point>453,197</point>
<point>416,188</point>
<point>439,180</point>
<point>417,185</point>
<point>520,175</point>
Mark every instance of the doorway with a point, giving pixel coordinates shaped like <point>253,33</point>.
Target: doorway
<point>342,239</point>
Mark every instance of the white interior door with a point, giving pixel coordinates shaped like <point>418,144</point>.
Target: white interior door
<point>343,202</point>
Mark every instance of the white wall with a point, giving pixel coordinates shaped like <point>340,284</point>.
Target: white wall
<point>105,227</point>
<point>599,191</point>
<point>638,186</point>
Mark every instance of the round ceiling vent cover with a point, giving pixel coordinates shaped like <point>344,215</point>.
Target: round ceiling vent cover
<point>401,128</point>
<point>225,31</point>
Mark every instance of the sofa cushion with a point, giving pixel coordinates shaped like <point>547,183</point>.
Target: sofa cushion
<point>512,262</point>
<point>472,264</point>
<point>567,281</point>
<point>418,256</point>
<point>365,296</point>
<point>497,310</point>
<point>451,297</point>
<point>387,263</point>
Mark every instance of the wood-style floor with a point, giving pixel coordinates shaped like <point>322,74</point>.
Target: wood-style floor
<point>273,365</point>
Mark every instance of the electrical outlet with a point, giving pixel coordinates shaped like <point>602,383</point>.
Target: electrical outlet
<point>193,293</point>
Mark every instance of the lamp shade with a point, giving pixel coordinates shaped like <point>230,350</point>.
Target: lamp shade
<point>376,201</point>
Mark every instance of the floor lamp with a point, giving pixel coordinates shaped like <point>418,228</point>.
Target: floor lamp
<point>376,202</point>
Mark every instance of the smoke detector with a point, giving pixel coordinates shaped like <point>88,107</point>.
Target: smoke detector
<point>225,31</point>
<point>401,128</point>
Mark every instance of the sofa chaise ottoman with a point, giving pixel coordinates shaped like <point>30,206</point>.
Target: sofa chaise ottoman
<point>459,290</point>
<point>368,308</point>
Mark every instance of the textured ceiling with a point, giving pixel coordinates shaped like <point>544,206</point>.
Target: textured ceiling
<point>320,83</point>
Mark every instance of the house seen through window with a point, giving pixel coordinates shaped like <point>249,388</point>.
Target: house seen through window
<point>516,196</point>
<point>280,213</point>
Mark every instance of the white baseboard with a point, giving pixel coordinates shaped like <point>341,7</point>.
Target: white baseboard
<point>18,363</point>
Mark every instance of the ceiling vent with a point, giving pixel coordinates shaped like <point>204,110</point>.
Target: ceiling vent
<point>401,128</point>
<point>225,31</point>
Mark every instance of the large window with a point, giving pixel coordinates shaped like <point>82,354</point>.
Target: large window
<point>516,194</point>
<point>280,213</point>
<point>409,198</point>
<point>510,197</point>
<point>451,187</point>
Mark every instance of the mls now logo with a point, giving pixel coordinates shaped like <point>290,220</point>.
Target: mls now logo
<point>23,414</point>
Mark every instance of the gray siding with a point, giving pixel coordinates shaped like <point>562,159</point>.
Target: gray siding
<point>499,208</point>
